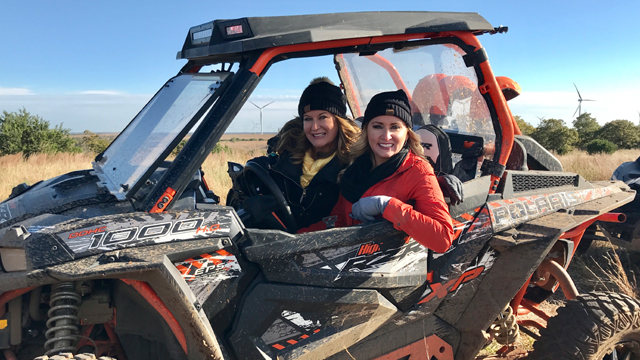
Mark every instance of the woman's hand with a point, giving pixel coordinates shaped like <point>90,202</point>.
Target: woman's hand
<point>367,208</point>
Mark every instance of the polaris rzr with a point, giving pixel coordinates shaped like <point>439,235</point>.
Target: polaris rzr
<point>137,259</point>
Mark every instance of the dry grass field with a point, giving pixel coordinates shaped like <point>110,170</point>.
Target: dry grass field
<point>242,147</point>
<point>596,167</point>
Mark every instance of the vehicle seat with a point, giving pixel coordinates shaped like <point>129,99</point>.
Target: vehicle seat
<point>437,148</point>
<point>470,148</point>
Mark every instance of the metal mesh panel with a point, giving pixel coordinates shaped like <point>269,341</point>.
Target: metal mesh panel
<point>524,182</point>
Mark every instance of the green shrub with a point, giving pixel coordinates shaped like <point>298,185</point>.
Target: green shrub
<point>219,148</point>
<point>623,133</point>
<point>598,146</point>
<point>554,135</point>
<point>92,142</point>
<point>178,147</point>
<point>30,134</point>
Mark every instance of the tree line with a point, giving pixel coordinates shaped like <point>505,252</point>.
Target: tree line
<point>586,134</point>
<point>22,132</point>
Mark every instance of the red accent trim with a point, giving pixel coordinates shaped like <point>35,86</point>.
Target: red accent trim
<point>515,303</point>
<point>194,69</point>
<point>351,90</point>
<point>532,307</point>
<point>269,54</point>
<point>277,218</point>
<point>430,348</point>
<point>152,298</point>
<point>113,338</point>
<point>613,217</point>
<point>204,182</point>
<point>278,346</point>
<point>393,72</point>
<point>169,193</point>
<point>224,252</point>
<point>10,295</point>
<point>430,276</point>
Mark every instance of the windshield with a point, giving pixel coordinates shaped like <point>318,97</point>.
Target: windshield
<point>147,138</point>
<point>442,89</point>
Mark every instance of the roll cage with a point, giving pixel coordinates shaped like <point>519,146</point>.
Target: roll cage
<point>211,43</point>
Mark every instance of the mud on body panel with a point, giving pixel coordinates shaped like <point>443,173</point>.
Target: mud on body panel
<point>289,329</point>
<point>375,258</point>
<point>145,229</point>
<point>509,213</point>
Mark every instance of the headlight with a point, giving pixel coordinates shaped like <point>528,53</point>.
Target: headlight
<point>13,259</point>
<point>12,251</point>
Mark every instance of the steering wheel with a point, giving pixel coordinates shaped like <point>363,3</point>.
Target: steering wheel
<point>263,176</point>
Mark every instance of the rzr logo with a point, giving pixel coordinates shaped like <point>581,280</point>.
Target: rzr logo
<point>372,257</point>
<point>440,290</point>
<point>368,249</point>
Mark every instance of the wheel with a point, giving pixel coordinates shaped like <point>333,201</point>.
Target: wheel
<point>272,188</point>
<point>594,326</point>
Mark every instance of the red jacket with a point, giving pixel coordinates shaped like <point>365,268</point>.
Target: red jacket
<point>428,221</point>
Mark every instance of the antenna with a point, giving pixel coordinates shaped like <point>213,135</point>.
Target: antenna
<point>261,128</point>
<point>580,100</point>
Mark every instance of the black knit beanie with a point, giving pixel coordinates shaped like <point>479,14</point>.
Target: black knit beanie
<point>323,96</point>
<point>395,103</point>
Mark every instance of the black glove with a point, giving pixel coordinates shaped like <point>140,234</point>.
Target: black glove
<point>260,207</point>
<point>451,187</point>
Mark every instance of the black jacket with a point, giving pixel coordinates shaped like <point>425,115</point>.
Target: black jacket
<point>308,205</point>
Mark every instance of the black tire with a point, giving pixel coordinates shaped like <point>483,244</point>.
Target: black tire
<point>592,327</point>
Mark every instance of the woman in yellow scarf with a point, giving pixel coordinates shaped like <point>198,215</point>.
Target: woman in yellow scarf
<point>312,149</point>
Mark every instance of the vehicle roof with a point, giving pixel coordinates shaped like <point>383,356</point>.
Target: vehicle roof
<point>210,41</point>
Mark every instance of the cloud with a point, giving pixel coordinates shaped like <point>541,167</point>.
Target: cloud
<point>14,91</point>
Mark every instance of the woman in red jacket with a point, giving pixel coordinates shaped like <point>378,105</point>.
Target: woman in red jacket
<point>390,178</point>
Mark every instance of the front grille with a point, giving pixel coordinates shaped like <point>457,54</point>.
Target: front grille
<point>525,182</point>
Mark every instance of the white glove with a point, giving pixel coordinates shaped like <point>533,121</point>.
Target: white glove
<point>366,209</point>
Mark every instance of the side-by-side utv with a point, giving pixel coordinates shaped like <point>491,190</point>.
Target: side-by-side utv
<point>136,259</point>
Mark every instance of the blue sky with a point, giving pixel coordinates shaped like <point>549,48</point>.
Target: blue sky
<point>93,65</point>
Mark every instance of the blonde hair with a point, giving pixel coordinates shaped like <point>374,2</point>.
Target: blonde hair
<point>294,140</point>
<point>361,146</point>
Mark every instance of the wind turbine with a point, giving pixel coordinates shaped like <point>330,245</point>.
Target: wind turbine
<point>261,128</point>
<point>580,100</point>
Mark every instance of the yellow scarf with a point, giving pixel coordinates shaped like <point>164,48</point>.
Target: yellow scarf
<point>310,167</point>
